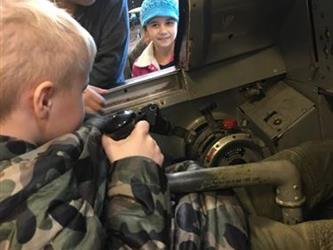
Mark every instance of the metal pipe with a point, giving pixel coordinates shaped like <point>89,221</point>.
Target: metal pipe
<point>282,174</point>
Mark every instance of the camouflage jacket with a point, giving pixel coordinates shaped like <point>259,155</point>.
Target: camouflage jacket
<point>61,196</point>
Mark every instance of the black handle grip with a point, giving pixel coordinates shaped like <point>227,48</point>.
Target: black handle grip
<point>121,124</point>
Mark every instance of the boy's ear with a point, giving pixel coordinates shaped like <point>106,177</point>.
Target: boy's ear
<point>43,99</point>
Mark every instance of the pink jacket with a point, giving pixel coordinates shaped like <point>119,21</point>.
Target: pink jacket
<point>146,62</point>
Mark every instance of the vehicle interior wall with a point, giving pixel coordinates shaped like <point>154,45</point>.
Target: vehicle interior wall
<point>306,46</point>
<point>285,33</point>
<point>257,60</point>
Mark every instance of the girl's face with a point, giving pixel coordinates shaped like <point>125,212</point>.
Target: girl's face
<point>162,31</point>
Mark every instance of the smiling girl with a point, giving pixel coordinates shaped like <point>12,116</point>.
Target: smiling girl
<point>159,19</point>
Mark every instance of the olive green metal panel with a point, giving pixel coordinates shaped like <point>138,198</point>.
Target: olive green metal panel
<point>323,23</point>
<point>234,73</point>
<point>222,29</point>
<point>284,116</point>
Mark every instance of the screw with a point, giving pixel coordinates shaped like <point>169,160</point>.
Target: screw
<point>327,34</point>
<point>277,121</point>
<point>326,51</point>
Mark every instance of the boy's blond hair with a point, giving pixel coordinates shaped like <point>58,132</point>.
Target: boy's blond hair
<point>39,42</point>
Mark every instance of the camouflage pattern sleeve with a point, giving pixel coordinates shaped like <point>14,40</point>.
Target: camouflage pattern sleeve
<point>138,212</point>
<point>51,196</point>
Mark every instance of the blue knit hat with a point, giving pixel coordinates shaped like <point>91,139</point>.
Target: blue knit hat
<point>154,8</point>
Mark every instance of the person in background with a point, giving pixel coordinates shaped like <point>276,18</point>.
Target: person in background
<point>159,20</point>
<point>108,23</point>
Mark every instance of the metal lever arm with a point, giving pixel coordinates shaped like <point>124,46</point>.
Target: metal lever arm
<point>282,174</point>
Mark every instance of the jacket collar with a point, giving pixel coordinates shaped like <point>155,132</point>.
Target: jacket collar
<point>147,57</point>
<point>11,147</point>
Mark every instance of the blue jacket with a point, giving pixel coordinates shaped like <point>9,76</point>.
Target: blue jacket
<point>107,22</point>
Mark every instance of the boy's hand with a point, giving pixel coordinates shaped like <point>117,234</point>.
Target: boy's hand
<point>93,99</point>
<point>138,143</point>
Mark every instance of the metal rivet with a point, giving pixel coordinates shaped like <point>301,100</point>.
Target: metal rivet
<point>327,34</point>
<point>326,51</point>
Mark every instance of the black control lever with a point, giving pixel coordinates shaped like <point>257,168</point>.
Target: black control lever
<point>121,124</point>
